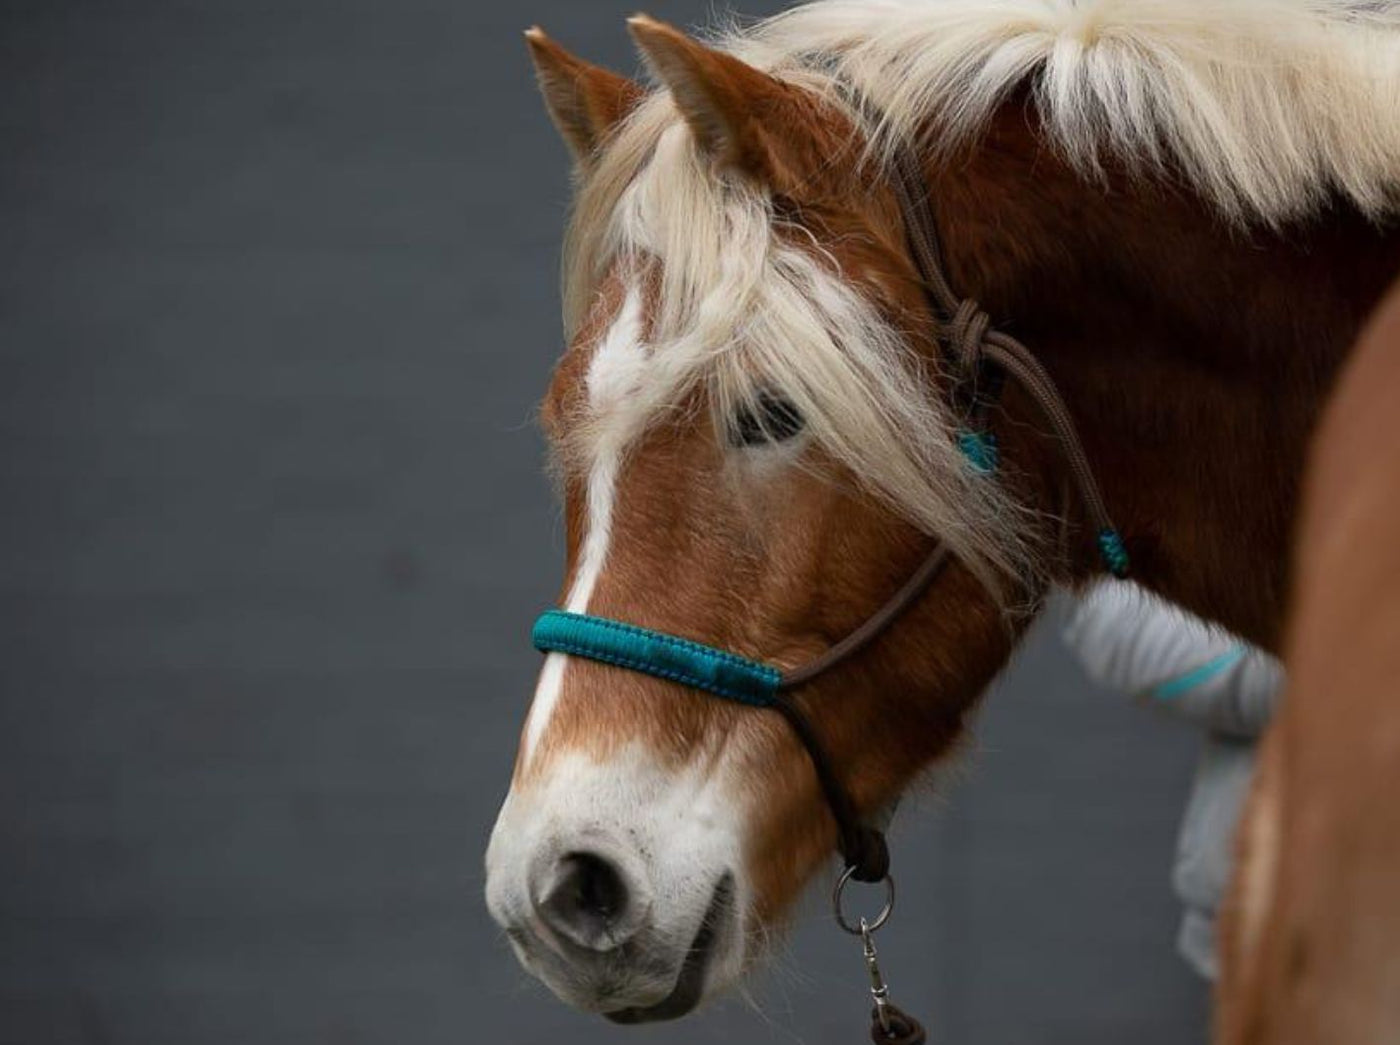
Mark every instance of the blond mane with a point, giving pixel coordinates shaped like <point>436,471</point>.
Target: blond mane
<point>1264,106</point>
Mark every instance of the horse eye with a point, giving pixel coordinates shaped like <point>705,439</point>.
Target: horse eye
<point>772,419</point>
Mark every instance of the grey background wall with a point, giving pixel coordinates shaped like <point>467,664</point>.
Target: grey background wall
<point>277,296</point>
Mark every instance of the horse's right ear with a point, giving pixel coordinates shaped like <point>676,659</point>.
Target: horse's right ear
<point>584,101</point>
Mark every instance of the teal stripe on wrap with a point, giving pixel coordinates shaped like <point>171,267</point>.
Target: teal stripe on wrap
<point>656,653</point>
<point>1175,687</point>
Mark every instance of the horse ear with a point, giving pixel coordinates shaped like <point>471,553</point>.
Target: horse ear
<point>742,117</point>
<point>584,101</point>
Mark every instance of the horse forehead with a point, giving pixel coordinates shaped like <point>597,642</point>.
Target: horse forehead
<point>607,352</point>
<point>618,364</point>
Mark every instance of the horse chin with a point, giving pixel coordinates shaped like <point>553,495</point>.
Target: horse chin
<point>717,930</point>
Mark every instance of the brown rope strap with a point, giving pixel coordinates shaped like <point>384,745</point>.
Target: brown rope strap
<point>967,332</point>
<point>862,847</point>
<point>970,336</point>
<point>857,640</point>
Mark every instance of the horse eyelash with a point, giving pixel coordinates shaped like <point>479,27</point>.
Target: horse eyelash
<point>769,419</point>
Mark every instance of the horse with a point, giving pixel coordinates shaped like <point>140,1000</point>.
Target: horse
<point>1313,929</point>
<point>759,430</point>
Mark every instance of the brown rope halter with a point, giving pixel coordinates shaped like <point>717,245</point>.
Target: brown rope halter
<point>983,357</point>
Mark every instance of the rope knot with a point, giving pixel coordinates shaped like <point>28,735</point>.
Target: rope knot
<point>966,332</point>
<point>868,853</point>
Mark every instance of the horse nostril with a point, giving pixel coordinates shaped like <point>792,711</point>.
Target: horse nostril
<point>587,899</point>
<point>596,887</point>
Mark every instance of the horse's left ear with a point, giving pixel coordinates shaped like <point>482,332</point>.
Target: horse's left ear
<point>742,117</point>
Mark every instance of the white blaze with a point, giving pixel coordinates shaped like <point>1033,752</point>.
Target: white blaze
<point>678,831</point>
<point>614,375</point>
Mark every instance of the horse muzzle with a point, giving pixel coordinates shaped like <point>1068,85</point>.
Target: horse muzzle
<point>609,927</point>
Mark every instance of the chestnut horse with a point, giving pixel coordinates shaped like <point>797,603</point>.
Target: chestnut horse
<point>1179,205</point>
<point>1313,942</point>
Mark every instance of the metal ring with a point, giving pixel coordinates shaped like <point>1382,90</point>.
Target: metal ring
<point>869,927</point>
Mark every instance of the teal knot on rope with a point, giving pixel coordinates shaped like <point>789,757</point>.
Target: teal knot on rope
<point>980,449</point>
<point>1113,552</point>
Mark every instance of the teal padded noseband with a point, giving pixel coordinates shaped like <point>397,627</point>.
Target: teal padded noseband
<point>656,653</point>
<point>736,678</point>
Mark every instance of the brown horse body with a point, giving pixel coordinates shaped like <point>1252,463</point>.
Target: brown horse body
<point>730,244</point>
<point>1314,941</point>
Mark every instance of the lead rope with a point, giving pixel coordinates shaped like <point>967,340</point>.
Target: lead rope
<point>889,1024</point>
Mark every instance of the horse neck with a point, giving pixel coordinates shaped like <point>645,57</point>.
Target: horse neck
<point>1192,354</point>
